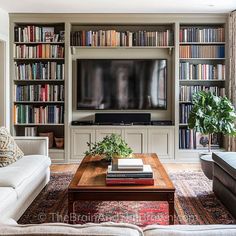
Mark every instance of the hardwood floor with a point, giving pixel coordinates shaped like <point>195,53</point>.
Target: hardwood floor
<point>169,167</point>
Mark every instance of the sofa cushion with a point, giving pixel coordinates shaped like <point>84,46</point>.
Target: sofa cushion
<point>104,229</point>
<point>14,174</point>
<point>8,197</point>
<point>9,151</point>
<point>227,161</point>
<point>190,230</point>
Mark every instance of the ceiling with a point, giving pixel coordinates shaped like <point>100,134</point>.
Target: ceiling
<point>118,6</point>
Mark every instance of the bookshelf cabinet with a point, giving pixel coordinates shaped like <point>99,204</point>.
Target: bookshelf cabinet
<point>132,36</point>
<point>38,81</point>
<point>201,67</point>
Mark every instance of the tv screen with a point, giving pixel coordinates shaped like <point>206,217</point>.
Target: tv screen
<point>121,84</point>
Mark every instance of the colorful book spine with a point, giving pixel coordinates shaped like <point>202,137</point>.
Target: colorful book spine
<point>130,175</point>
<point>130,181</point>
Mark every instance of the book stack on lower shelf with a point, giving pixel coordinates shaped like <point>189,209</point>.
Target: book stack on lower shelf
<point>129,172</point>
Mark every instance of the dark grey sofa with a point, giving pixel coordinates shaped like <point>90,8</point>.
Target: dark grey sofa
<point>224,179</point>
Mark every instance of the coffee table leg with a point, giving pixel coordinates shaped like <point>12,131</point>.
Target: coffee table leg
<point>171,209</point>
<point>70,208</point>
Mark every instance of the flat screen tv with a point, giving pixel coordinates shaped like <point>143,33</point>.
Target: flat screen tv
<point>121,84</point>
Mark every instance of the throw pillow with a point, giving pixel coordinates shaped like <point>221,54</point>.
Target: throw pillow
<point>9,150</point>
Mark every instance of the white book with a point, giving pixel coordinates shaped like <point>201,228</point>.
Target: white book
<point>146,169</point>
<point>130,163</point>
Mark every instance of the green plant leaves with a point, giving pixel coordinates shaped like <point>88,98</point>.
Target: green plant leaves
<point>112,145</point>
<point>212,114</point>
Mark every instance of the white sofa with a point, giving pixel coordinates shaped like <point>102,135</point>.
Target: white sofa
<point>23,180</point>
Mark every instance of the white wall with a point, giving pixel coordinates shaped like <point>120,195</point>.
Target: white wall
<point>4,69</point>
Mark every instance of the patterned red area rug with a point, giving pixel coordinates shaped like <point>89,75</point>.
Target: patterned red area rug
<point>195,203</point>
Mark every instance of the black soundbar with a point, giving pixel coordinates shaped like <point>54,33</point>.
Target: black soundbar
<point>122,118</point>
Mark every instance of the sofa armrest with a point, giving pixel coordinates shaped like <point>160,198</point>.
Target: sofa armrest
<point>33,145</point>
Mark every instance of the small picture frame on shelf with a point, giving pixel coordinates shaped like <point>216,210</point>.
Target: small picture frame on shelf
<point>48,34</point>
<point>62,36</point>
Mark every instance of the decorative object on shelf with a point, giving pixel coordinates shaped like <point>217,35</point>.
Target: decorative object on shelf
<point>212,114</point>
<point>110,147</point>
<point>59,142</point>
<point>50,136</point>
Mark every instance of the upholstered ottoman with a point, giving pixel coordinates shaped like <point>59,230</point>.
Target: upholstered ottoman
<point>224,179</point>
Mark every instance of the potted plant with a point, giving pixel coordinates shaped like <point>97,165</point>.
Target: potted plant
<point>111,146</point>
<point>211,114</point>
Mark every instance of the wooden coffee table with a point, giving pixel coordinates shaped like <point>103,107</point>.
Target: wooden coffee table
<point>88,184</point>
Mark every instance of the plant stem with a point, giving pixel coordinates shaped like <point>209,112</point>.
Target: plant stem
<point>209,142</point>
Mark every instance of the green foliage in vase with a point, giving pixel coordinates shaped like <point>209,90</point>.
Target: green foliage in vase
<point>111,146</point>
<point>212,114</point>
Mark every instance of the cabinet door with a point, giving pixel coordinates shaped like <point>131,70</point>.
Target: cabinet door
<point>136,139</point>
<point>161,142</point>
<point>79,140</point>
<point>101,133</point>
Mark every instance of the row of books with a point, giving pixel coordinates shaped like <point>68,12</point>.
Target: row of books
<point>186,92</point>
<point>197,34</point>
<point>184,111</point>
<point>40,71</point>
<point>189,71</point>
<point>190,139</point>
<point>38,51</point>
<point>113,38</point>
<point>32,33</point>
<point>128,171</point>
<point>26,114</point>
<point>187,138</point>
<point>31,131</point>
<point>200,51</point>
<point>44,92</point>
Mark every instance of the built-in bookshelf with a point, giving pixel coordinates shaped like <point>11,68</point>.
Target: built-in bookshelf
<point>201,67</point>
<point>39,76</point>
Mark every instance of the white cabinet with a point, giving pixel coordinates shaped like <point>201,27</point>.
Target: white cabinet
<point>142,139</point>
<point>136,139</point>
<point>79,139</point>
<point>161,142</point>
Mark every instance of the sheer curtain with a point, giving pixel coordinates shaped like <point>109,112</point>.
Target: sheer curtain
<point>232,70</point>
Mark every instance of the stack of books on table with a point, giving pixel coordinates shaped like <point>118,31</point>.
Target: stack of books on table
<point>129,172</point>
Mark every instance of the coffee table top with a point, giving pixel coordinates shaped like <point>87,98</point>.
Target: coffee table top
<point>91,175</point>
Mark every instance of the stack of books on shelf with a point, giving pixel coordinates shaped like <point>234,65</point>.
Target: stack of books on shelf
<point>31,131</point>
<point>199,34</point>
<point>189,71</point>
<point>43,51</point>
<point>113,38</point>
<point>200,51</point>
<point>129,172</point>
<point>43,93</point>
<point>40,70</point>
<point>32,33</point>
<point>26,114</point>
<point>186,92</point>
